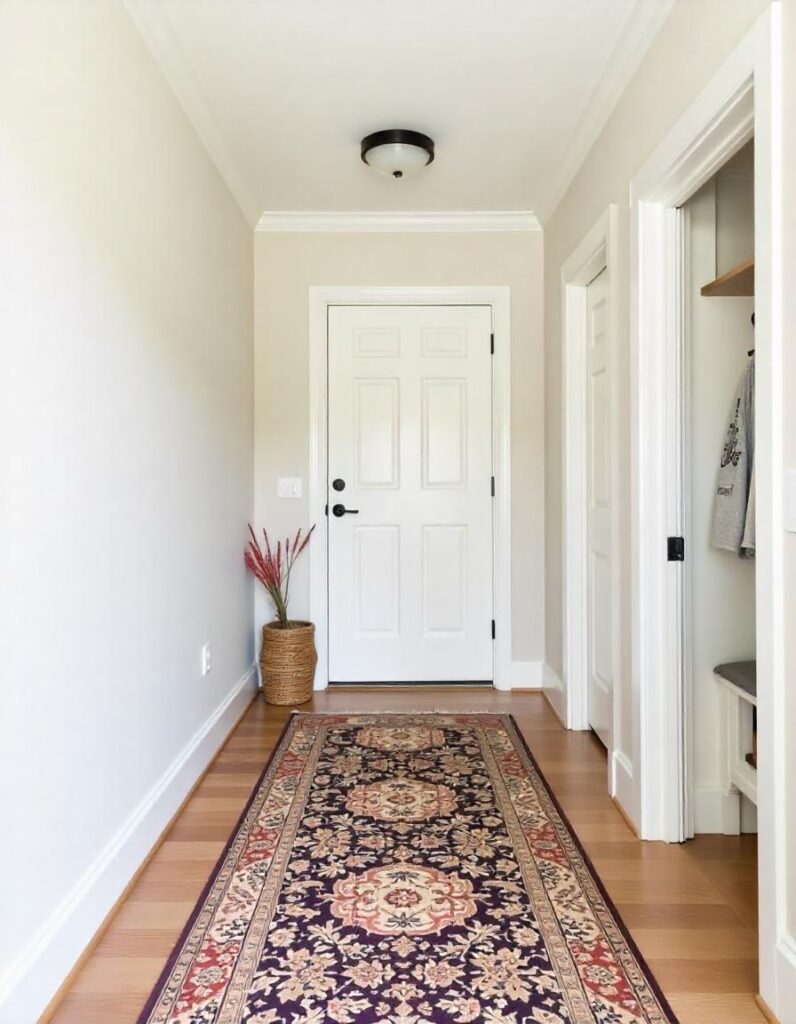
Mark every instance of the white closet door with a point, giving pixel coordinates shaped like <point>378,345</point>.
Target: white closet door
<point>410,460</point>
<point>600,568</point>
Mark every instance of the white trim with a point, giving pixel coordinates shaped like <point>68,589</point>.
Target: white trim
<point>716,812</point>
<point>685,509</point>
<point>713,128</point>
<point>553,689</point>
<point>526,675</point>
<point>595,252</point>
<point>775,765</point>
<point>152,21</point>
<point>641,28</point>
<point>366,221</point>
<point>499,298</point>
<point>702,142</point>
<point>33,978</point>
<point>623,787</point>
<point>786,976</point>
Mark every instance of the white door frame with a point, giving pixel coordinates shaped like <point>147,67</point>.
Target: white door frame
<point>712,131</point>
<point>499,298</point>
<point>743,98</point>
<point>595,252</point>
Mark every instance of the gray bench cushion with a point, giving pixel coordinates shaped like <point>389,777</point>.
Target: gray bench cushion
<point>742,674</point>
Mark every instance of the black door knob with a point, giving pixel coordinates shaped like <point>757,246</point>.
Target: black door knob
<point>341,510</point>
<point>338,484</point>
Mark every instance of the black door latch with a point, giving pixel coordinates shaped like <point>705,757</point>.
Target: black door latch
<point>675,547</point>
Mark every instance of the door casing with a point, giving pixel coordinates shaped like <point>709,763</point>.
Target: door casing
<point>743,98</point>
<point>499,298</point>
<point>595,252</point>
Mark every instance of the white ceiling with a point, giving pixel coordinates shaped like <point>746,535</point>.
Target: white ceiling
<point>512,91</point>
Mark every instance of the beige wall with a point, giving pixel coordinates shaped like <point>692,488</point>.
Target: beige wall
<point>126,465</point>
<point>287,265</point>
<point>690,47</point>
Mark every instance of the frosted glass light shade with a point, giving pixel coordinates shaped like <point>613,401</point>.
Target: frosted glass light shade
<point>397,153</point>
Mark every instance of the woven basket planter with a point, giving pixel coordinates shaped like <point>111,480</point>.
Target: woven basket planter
<point>287,662</point>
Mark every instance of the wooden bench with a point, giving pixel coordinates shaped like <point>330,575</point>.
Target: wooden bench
<point>738,681</point>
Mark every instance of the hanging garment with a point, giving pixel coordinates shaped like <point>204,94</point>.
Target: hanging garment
<point>734,505</point>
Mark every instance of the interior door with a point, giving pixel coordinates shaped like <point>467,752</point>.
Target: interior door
<point>600,568</point>
<point>409,493</point>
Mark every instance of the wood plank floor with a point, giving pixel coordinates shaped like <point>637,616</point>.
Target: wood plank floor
<point>691,908</point>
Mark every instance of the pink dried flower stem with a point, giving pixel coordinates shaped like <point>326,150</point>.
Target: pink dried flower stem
<point>273,568</point>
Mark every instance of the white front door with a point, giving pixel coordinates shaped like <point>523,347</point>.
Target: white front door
<point>410,462</point>
<point>600,568</point>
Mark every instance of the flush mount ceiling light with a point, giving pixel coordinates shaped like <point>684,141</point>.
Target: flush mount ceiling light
<point>397,152</point>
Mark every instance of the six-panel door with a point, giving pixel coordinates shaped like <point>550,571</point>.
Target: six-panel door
<point>410,517</point>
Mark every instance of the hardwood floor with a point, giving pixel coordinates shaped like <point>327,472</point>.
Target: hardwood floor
<point>691,908</point>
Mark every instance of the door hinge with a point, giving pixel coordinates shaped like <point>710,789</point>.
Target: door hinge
<point>675,549</point>
<point>493,629</point>
<point>491,344</point>
<point>326,510</point>
<point>492,487</point>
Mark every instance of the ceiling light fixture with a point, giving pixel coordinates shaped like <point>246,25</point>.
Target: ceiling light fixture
<point>397,152</point>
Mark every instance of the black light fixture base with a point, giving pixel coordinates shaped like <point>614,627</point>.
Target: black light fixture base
<point>399,136</point>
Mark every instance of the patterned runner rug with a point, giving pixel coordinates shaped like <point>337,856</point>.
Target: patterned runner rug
<point>404,869</point>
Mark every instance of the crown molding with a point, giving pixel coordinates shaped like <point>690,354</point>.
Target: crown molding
<point>152,22</point>
<point>459,221</point>
<point>642,26</point>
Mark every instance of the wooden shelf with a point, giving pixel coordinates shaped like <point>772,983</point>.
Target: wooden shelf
<point>738,281</point>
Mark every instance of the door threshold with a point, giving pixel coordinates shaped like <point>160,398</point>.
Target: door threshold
<point>415,685</point>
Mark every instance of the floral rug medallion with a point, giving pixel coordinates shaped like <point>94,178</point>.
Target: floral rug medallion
<point>404,869</point>
<point>401,800</point>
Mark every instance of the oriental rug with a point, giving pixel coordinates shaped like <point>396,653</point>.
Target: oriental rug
<point>404,869</point>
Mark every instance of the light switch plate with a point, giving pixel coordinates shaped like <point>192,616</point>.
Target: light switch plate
<point>288,487</point>
<point>790,501</point>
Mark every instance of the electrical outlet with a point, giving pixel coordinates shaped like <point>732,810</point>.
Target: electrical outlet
<point>206,659</point>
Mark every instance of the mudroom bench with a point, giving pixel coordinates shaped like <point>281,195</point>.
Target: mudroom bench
<point>738,681</point>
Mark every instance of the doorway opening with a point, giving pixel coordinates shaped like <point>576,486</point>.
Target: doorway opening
<point>740,103</point>
<point>591,527</point>
<point>410,434</point>
<point>717,487</point>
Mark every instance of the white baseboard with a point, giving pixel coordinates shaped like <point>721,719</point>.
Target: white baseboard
<point>553,689</point>
<point>622,788</point>
<point>785,1004</point>
<point>525,675</point>
<point>716,812</point>
<point>748,817</point>
<point>33,978</point>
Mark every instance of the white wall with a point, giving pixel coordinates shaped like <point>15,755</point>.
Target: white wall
<point>735,196</point>
<point>125,468</point>
<point>288,264</point>
<point>691,46</point>
<point>723,585</point>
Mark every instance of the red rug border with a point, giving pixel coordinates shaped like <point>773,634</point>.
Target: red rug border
<point>164,975</point>
<point>623,928</point>
<point>174,955</point>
